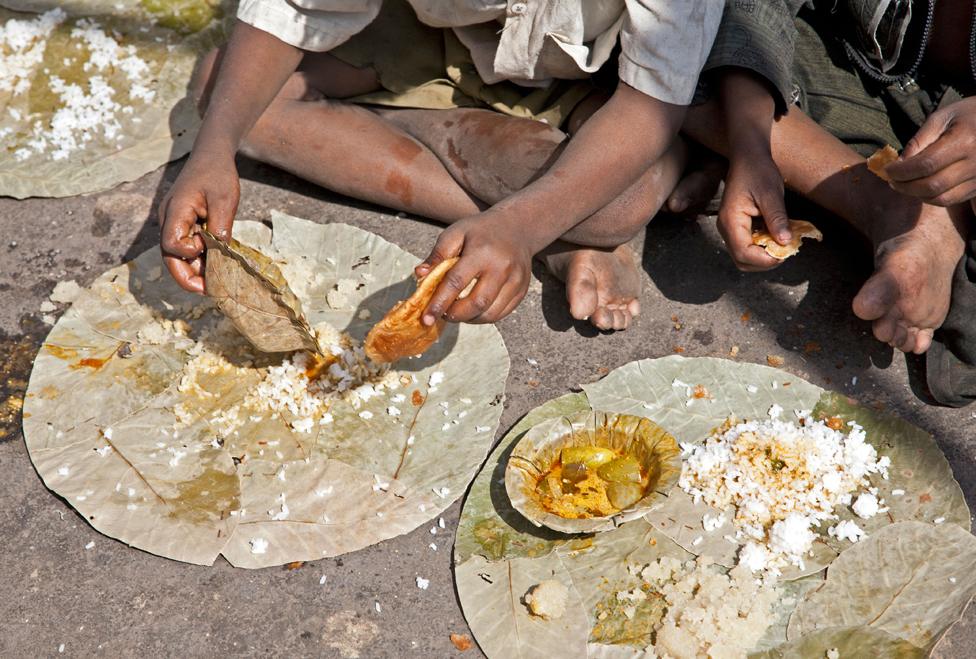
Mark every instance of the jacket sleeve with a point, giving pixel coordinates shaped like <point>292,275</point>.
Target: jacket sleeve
<point>759,35</point>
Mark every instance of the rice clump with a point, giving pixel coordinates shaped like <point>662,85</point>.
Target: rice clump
<point>783,480</point>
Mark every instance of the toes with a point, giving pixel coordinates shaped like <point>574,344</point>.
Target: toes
<point>923,341</point>
<point>582,295</point>
<point>633,308</point>
<point>621,319</point>
<point>611,317</point>
<point>602,319</point>
<point>903,338</point>
<point>884,329</point>
<point>876,297</point>
<point>694,190</point>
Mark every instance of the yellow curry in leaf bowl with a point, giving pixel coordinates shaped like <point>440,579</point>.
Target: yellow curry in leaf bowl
<point>591,471</point>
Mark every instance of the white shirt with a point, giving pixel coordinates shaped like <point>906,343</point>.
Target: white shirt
<point>664,43</point>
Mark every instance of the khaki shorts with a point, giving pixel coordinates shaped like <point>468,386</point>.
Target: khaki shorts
<point>425,67</point>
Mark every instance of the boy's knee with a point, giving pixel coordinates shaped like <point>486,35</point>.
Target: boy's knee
<point>607,233</point>
<point>617,234</point>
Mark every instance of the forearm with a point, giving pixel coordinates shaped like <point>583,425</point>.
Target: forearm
<point>748,108</point>
<point>608,154</point>
<point>814,164</point>
<point>255,66</point>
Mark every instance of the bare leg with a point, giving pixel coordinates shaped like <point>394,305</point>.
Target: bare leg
<point>349,149</point>
<point>451,164</point>
<point>917,246</point>
<point>492,156</point>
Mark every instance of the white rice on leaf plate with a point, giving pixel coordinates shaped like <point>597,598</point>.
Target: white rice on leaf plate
<point>96,93</point>
<point>499,555</point>
<point>100,417</point>
<point>748,391</point>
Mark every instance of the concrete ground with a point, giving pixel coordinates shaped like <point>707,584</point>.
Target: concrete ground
<point>117,601</point>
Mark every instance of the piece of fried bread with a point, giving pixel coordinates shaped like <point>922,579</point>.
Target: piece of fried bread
<point>799,228</point>
<point>880,159</point>
<point>401,333</point>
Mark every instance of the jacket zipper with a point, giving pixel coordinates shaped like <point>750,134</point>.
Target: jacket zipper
<point>972,43</point>
<point>906,79</point>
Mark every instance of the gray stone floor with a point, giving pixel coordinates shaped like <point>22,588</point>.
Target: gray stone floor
<point>113,600</point>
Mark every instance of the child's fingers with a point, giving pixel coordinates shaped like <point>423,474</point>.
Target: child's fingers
<point>188,274</point>
<point>221,210</point>
<point>448,245</point>
<point>933,127</point>
<point>884,328</point>
<point>505,302</point>
<point>900,338</point>
<point>512,304</point>
<point>948,187</point>
<point>455,281</point>
<point>736,230</point>
<point>479,300</point>
<point>772,207</point>
<point>948,149</point>
<point>178,235</point>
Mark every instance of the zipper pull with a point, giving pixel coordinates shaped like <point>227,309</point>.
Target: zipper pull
<point>907,85</point>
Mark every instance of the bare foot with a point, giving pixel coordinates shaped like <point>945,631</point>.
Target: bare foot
<point>699,183</point>
<point>602,285</point>
<point>907,297</point>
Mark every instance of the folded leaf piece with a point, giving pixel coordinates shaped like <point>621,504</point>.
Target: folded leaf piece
<point>799,228</point>
<point>911,580</point>
<point>401,333</point>
<point>250,290</point>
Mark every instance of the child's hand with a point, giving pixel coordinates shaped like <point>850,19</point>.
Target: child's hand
<point>208,190</point>
<point>753,188</point>
<point>938,165</point>
<point>490,253</point>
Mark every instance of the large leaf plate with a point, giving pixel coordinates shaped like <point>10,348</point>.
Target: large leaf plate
<point>185,498</point>
<point>169,36</point>
<point>499,555</point>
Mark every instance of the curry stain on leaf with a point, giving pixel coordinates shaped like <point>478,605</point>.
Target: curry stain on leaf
<point>60,351</point>
<point>49,392</point>
<point>208,497</point>
<point>93,363</point>
<point>66,56</point>
<point>498,541</point>
<point>614,627</point>
<point>184,16</point>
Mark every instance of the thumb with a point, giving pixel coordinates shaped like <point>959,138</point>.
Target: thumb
<point>930,131</point>
<point>773,210</point>
<point>448,245</point>
<point>220,214</point>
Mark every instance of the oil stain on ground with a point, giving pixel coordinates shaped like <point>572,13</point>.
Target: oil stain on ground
<point>18,352</point>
